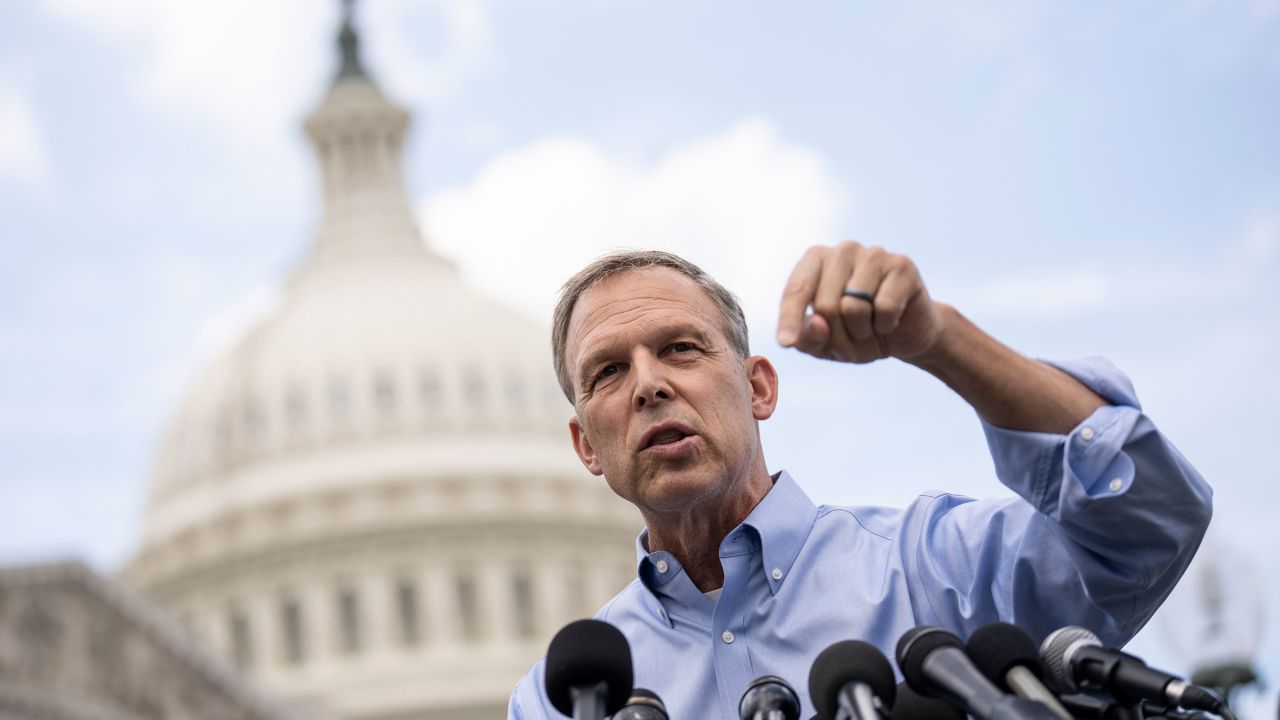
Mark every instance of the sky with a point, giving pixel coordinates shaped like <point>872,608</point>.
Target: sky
<point>1079,179</point>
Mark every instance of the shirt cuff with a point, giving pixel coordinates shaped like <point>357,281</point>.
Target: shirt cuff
<point>1090,457</point>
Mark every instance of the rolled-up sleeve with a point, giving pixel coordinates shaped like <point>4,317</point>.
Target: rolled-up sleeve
<point>1118,515</point>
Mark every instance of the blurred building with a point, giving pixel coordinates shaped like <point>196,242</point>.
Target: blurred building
<point>76,647</point>
<point>369,504</point>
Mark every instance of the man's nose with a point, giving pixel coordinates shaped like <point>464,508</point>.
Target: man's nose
<point>651,380</point>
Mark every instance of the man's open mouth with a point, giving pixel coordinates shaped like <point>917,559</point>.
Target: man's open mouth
<point>664,435</point>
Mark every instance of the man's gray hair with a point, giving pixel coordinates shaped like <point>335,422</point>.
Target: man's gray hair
<point>733,320</point>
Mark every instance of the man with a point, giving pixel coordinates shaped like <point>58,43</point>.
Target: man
<point>740,575</point>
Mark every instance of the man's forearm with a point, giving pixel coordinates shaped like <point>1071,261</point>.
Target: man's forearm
<point>1007,389</point>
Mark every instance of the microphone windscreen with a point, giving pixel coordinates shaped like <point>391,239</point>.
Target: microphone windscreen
<point>849,661</point>
<point>997,647</point>
<point>911,705</point>
<point>586,652</point>
<point>771,696</point>
<point>1053,655</point>
<point>915,645</point>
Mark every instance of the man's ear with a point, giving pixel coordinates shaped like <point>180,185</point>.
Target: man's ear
<point>764,386</point>
<point>582,446</point>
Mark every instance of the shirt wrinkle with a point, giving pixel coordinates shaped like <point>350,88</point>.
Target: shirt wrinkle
<point>829,509</point>
<point>920,542</point>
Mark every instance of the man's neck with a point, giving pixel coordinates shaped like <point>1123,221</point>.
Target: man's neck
<point>693,535</point>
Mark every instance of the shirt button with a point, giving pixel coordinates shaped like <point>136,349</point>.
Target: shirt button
<point>662,566</point>
<point>727,637</point>
<point>777,574</point>
<point>1116,484</point>
<point>1086,433</point>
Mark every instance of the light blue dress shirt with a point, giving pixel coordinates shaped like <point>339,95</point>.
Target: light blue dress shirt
<point>1109,517</point>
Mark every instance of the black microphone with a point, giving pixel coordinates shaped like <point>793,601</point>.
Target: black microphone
<point>769,698</point>
<point>588,671</point>
<point>643,704</point>
<point>1088,706</point>
<point>1074,657</point>
<point>934,664</point>
<point>1007,656</point>
<point>911,705</point>
<point>852,676</point>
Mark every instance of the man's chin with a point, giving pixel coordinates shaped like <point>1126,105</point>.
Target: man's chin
<point>680,489</point>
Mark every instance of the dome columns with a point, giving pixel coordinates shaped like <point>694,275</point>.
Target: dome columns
<point>358,136</point>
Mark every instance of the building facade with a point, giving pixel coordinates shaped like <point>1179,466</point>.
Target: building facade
<point>74,646</point>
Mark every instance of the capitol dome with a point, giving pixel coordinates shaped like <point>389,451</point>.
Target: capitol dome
<point>370,502</point>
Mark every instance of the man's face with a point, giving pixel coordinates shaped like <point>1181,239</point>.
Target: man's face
<point>666,410</point>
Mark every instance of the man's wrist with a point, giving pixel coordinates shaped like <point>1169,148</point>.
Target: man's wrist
<point>1005,388</point>
<point>941,354</point>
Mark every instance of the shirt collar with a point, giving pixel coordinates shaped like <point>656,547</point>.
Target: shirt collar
<point>778,526</point>
<point>782,522</point>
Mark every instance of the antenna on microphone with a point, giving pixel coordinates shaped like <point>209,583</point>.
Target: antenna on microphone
<point>588,672</point>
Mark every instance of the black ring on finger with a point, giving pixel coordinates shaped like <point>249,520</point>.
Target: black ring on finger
<point>859,294</point>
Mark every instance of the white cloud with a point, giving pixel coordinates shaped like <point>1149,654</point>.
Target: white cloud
<point>1259,12</point>
<point>122,17</point>
<point>1261,238</point>
<point>1003,29</point>
<point>237,75</point>
<point>228,326</point>
<point>1264,11</point>
<point>252,66</point>
<point>468,48</point>
<point>1239,271</point>
<point>225,312</point>
<point>23,158</point>
<point>1075,290</point>
<point>1039,292</point>
<point>743,203</point>
<point>999,27</point>
<point>1215,615</point>
<point>246,65</point>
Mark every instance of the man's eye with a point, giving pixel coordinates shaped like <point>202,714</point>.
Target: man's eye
<point>681,347</point>
<point>606,371</point>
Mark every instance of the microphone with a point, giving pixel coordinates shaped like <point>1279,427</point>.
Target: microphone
<point>1007,656</point>
<point>934,664</point>
<point>769,698</point>
<point>588,671</point>
<point>851,680</point>
<point>1086,706</point>
<point>1074,657</point>
<point>911,705</point>
<point>643,704</point>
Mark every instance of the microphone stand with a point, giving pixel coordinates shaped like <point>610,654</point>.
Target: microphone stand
<point>588,701</point>
<point>861,703</point>
<point>1093,707</point>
